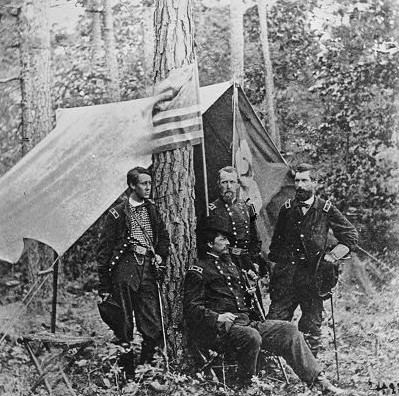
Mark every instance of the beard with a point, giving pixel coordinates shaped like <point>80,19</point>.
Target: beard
<point>225,257</point>
<point>229,196</point>
<point>303,195</point>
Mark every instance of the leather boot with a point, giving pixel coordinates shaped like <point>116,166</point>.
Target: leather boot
<point>126,361</point>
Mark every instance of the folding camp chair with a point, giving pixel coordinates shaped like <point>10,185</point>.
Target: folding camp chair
<point>51,344</point>
<point>56,347</point>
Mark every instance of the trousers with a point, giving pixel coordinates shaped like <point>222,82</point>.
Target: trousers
<point>286,296</point>
<point>144,304</point>
<point>278,337</point>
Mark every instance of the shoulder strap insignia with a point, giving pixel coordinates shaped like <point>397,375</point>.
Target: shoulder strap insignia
<point>195,268</point>
<point>327,206</point>
<point>114,213</point>
<point>287,204</point>
<point>212,206</point>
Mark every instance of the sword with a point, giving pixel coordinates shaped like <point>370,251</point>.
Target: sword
<point>157,270</point>
<point>165,348</point>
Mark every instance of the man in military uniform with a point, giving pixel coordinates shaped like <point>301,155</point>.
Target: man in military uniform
<point>299,238</point>
<point>132,250</point>
<point>217,310</point>
<point>240,216</point>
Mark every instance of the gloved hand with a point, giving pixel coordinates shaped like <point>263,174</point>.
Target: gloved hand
<point>265,283</point>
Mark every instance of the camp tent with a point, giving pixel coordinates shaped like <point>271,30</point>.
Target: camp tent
<point>63,185</point>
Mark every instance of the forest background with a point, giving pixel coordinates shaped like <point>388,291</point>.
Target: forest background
<point>335,71</point>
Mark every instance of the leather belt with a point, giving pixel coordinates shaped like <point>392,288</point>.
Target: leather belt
<point>143,251</point>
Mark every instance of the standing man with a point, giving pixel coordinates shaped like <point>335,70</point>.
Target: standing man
<point>132,251</point>
<point>217,310</point>
<point>240,217</point>
<point>299,238</point>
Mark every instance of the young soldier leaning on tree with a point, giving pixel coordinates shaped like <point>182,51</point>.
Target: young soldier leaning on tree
<point>132,250</point>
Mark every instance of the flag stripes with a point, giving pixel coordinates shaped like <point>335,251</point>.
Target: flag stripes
<point>177,120</point>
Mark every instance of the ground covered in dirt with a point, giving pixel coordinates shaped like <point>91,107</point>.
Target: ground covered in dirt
<point>367,329</point>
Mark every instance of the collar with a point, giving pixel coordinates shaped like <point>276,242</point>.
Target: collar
<point>213,255</point>
<point>134,203</point>
<point>126,204</point>
<point>310,201</point>
<point>232,202</point>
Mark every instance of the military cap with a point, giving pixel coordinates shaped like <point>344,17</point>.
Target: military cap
<point>216,224</point>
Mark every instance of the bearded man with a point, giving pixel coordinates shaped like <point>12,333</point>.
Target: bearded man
<point>245,243</point>
<point>300,237</point>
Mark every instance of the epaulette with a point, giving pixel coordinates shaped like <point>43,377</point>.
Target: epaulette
<point>327,206</point>
<point>195,268</point>
<point>212,206</point>
<point>287,204</point>
<point>114,213</point>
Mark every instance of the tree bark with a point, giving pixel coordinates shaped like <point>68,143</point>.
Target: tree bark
<point>37,112</point>
<point>173,174</point>
<point>237,40</point>
<point>269,85</point>
<point>110,53</point>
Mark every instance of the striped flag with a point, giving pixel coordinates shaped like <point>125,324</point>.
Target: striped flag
<point>176,116</point>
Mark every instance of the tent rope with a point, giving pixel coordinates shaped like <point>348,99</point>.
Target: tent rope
<point>11,322</point>
<point>383,265</point>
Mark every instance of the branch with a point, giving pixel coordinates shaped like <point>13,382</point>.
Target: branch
<point>7,80</point>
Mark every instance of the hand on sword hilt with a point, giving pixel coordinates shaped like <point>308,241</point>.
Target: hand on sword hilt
<point>251,280</point>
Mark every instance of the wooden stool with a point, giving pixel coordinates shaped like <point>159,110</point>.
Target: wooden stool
<point>51,340</point>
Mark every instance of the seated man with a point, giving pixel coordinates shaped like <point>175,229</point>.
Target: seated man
<point>217,309</point>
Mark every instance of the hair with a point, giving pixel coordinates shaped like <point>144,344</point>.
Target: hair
<point>229,169</point>
<point>303,167</point>
<point>210,235</point>
<point>133,175</point>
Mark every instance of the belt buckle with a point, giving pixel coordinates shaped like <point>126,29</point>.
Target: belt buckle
<point>236,251</point>
<point>141,250</point>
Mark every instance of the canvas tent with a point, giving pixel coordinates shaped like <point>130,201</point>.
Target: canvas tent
<point>62,186</point>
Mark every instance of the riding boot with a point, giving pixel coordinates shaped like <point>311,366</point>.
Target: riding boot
<point>126,361</point>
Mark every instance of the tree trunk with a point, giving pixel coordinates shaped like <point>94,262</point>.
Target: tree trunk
<point>37,113</point>
<point>96,40</point>
<point>173,176</point>
<point>237,40</point>
<point>110,54</point>
<point>269,86</point>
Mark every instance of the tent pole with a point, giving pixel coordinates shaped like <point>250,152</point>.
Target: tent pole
<point>205,177</point>
<point>202,142</point>
<point>55,292</point>
<point>233,102</point>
